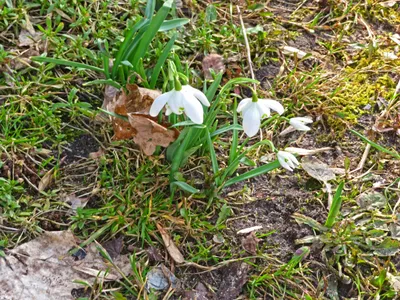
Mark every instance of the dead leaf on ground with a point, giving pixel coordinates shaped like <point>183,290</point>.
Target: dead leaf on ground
<point>144,129</point>
<point>95,155</point>
<point>250,242</point>
<point>200,293</point>
<point>320,171</point>
<point>43,269</point>
<point>27,39</point>
<point>154,255</point>
<point>170,246</point>
<point>76,202</point>
<point>46,180</point>
<point>16,60</point>
<point>150,134</point>
<point>234,278</point>
<point>215,62</point>
<point>317,169</point>
<point>110,93</point>
<point>114,247</point>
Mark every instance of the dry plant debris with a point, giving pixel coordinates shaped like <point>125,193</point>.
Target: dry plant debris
<point>170,246</point>
<point>43,269</point>
<point>144,129</point>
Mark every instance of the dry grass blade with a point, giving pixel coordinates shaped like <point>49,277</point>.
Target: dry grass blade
<point>170,245</point>
<point>46,180</point>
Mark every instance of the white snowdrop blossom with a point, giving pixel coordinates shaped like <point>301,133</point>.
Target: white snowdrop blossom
<point>254,111</point>
<point>299,123</point>
<point>188,100</point>
<point>287,160</point>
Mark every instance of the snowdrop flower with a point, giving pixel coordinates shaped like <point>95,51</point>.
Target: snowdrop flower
<point>182,99</point>
<point>299,123</point>
<point>254,110</point>
<point>287,160</point>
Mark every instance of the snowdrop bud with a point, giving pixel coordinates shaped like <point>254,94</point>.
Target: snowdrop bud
<point>299,123</point>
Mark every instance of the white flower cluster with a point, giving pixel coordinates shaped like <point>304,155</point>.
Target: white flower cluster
<point>189,100</point>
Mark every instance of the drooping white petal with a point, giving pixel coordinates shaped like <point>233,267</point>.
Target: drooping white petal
<point>197,93</point>
<point>304,120</point>
<point>299,123</point>
<point>168,111</point>
<point>299,126</point>
<point>273,104</point>
<point>159,103</point>
<point>283,163</point>
<point>175,102</point>
<point>193,109</point>
<point>287,160</point>
<point>243,104</point>
<point>263,109</point>
<point>251,120</point>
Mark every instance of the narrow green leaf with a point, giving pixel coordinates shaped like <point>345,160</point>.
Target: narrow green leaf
<point>253,173</point>
<point>235,135</point>
<point>335,207</point>
<point>151,31</point>
<point>213,156</point>
<point>232,166</point>
<point>64,62</point>
<point>186,187</point>
<point>103,81</point>
<point>122,50</point>
<point>113,114</point>
<point>225,212</point>
<point>126,63</point>
<point>150,7</point>
<point>189,152</point>
<point>234,127</point>
<point>172,24</point>
<point>302,219</point>
<point>212,90</point>
<point>375,145</point>
<point>161,60</point>
<point>188,123</point>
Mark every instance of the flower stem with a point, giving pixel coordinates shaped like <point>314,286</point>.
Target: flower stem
<point>246,41</point>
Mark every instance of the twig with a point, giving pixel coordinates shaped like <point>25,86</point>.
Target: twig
<point>246,41</point>
<point>363,159</point>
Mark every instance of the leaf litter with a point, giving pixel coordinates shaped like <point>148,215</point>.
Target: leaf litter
<point>172,249</point>
<point>146,132</point>
<point>44,269</point>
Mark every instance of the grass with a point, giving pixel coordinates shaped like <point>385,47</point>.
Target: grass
<point>48,112</point>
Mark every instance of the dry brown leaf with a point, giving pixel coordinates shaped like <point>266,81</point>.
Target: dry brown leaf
<point>114,247</point>
<point>94,155</point>
<point>170,246</point>
<point>27,39</point>
<point>250,242</point>
<point>46,180</point>
<point>144,129</point>
<point>76,202</point>
<point>43,269</point>
<point>139,100</point>
<point>215,62</point>
<point>317,169</point>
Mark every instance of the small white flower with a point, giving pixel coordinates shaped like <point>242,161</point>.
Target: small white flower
<point>287,160</point>
<point>186,100</point>
<point>299,123</point>
<point>253,112</point>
